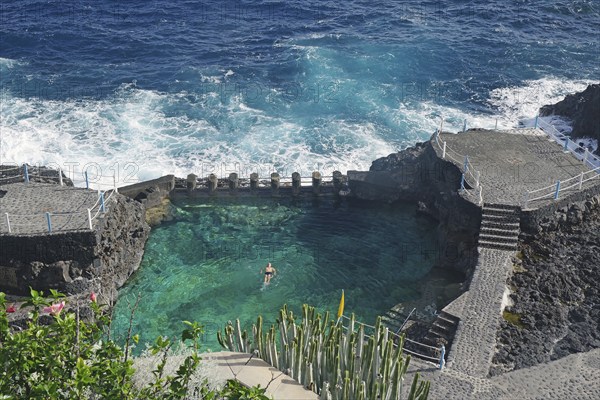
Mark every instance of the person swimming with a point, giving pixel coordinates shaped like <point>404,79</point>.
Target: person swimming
<point>269,272</point>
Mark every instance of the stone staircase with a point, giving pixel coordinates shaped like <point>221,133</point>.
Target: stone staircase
<point>442,331</point>
<point>499,226</point>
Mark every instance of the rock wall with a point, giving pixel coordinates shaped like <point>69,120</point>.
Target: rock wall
<point>583,109</point>
<point>77,262</point>
<point>417,174</point>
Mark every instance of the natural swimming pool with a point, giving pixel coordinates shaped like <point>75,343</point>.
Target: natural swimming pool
<point>205,264</point>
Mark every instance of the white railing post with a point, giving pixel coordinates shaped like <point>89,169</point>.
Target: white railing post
<point>566,148</point>
<point>115,182</point>
<point>580,181</point>
<point>585,156</point>
<point>477,178</point>
<point>442,125</point>
<point>496,127</point>
<point>444,151</point>
<point>26,173</point>
<point>462,182</point>
<point>8,222</point>
<point>90,219</point>
<point>466,164</point>
<point>87,181</point>
<point>442,357</point>
<point>536,121</point>
<point>557,190</point>
<point>49,220</point>
<point>465,125</point>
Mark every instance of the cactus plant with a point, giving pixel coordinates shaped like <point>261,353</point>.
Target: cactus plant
<point>336,361</point>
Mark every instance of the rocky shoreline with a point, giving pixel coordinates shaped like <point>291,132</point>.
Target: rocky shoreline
<point>556,296</point>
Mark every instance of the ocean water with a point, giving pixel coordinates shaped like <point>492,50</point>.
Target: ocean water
<point>146,88</point>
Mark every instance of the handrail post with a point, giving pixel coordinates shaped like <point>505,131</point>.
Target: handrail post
<point>465,125</point>
<point>466,164</point>
<point>462,182</point>
<point>557,190</point>
<point>102,207</point>
<point>87,181</point>
<point>90,219</point>
<point>580,181</point>
<point>115,188</point>
<point>536,121</point>
<point>441,124</point>
<point>566,148</point>
<point>48,218</point>
<point>444,151</point>
<point>8,222</point>
<point>442,355</point>
<point>60,178</point>
<point>585,156</point>
<point>496,127</point>
<point>26,173</point>
<point>477,178</point>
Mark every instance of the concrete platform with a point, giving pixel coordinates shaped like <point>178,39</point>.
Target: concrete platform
<point>27,204</point>
<point>511,163</point>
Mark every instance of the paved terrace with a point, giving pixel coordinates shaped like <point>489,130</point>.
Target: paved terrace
<point>27,204</point>
<point>512,162</point>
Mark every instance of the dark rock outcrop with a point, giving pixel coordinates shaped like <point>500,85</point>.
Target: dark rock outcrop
<point>78,262</point>
<point>556,290</point>
<point>418,175</point>
<point>583,109</point>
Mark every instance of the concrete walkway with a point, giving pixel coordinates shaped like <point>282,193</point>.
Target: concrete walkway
<point>219,367</point>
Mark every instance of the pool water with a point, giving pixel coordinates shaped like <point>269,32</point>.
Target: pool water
<point>205,265</point>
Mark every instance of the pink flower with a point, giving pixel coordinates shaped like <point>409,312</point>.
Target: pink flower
<point>11,309</point>
<point>54,308</point>
<point>93,297</point>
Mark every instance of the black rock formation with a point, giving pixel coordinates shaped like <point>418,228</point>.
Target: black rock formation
<point>583,109</point>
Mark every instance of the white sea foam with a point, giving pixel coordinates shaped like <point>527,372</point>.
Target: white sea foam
<point>142,134</point>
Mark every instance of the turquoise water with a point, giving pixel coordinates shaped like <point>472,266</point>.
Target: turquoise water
<point>205,265</point>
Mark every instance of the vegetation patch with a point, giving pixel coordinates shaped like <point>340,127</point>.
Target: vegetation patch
<point>513,319</point>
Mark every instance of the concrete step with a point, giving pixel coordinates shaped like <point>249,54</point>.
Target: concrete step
<point>497,246</point>
<point>499,232</point>
<point>499,219</point>
<point>509,226</point>
<point>493,211</point>
<point>501,206</point>
<point>498,239</point>
<point>448,317</point>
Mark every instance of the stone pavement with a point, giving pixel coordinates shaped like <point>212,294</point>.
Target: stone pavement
<point>27,203</point>
<point>221,366</point>
<point>575,377</point>
<point>512,163</point>
<point>475,340</point>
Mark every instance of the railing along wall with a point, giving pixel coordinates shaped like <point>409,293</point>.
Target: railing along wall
<point>440,352</point>
<point>56,221</point>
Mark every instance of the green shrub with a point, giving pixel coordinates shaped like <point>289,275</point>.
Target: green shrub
<point>58,356</point>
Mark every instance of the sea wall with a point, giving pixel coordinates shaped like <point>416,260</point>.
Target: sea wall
<point>417,174</point>
<point>79,261</point>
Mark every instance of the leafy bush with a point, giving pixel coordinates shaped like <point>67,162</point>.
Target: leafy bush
<point>58,356</point>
